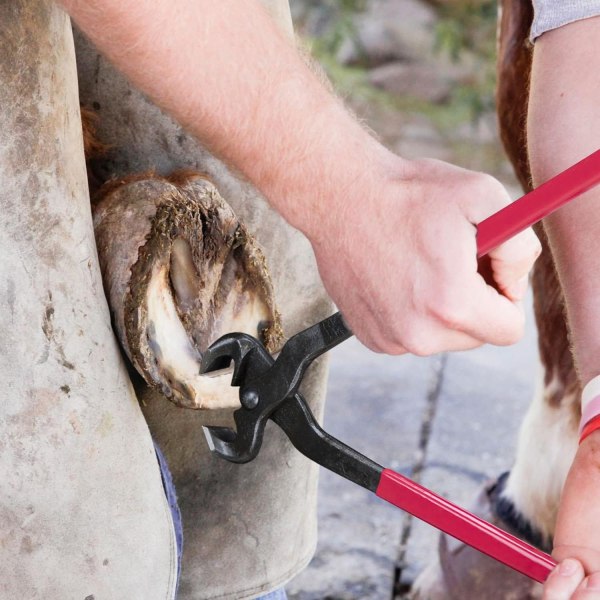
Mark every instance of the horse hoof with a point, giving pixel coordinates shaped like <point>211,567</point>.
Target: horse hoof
<point>180,270</point>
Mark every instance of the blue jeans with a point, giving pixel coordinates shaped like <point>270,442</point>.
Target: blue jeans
<point>276,595</point>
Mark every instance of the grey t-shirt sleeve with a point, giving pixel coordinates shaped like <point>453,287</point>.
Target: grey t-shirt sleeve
<point>550,14</point>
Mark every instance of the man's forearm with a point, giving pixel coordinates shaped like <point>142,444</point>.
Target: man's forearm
<point>226,73</point>
<point>393,239</point>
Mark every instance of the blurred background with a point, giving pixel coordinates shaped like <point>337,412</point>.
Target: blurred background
<point>421,75</point>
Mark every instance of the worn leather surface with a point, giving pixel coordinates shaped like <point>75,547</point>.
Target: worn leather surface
<point>82,509</point>
<point>247,528</point>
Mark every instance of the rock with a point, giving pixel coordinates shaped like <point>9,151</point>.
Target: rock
<point>387,30</point>
<point>482,131</point>
<point>390,30</point>
<point>425,82</point>
<point>421,138</point>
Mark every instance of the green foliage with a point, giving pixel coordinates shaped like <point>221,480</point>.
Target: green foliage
<point>337,17</point>
<point>469,27</point>
<point>465,32</point>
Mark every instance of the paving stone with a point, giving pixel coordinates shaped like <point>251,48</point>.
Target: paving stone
<point>376,404</point>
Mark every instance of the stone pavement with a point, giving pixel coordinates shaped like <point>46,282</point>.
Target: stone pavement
<point>448,421</point>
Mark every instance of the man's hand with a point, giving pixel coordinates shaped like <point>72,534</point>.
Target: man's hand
<point>394,240</point>
<point>399,259</point>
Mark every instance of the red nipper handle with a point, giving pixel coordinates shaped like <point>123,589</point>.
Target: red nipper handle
<point>428,506</point>
<point>539,203</point>
<point>461,524</point>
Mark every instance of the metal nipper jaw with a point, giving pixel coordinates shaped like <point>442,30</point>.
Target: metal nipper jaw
<point>269,390</point>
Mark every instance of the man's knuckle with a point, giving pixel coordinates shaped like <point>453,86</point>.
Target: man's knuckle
<point>450,311</point>
<point>419,344</point>
<point>493,190</point>
<point>536,246</point>
<point>387,346</point>
<point>395,349</point>
<point>420,349</point>
<point>512,335</point>
<point>528,244</point>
